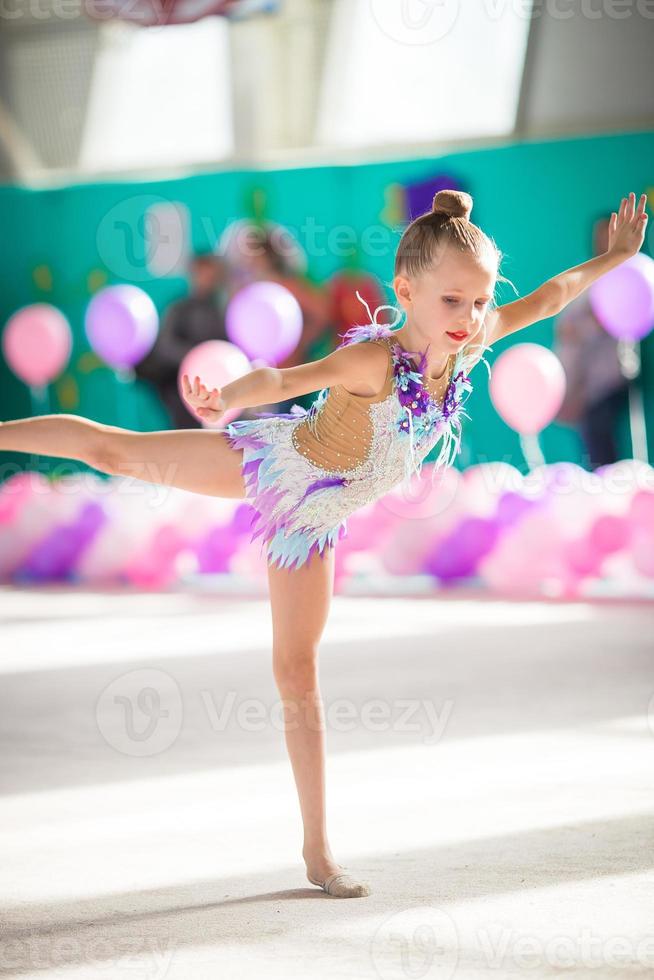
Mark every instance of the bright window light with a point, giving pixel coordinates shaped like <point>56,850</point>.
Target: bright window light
<point>421,70</point>
<point>160,96</point>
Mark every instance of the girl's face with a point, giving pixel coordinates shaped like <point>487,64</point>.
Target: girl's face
<point>447,304</point>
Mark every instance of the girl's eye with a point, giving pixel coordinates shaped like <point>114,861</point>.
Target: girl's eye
<point>481,302</point>
<point>450,299</point>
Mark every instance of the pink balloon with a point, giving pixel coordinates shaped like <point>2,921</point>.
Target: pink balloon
<point>424,496</point>
<point>36,343</point>
<point>529,560</point>
<point>641,510</point>
<point>366,525</point>
<point>582,556</point>
<point>265,320</point>
<point>609,533</point>
<point>14,493</point>
<point>623,299</point>
<point>217,363</point>
<point>527,387</point>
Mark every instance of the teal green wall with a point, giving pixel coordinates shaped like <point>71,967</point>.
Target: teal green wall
<point>538,200</point>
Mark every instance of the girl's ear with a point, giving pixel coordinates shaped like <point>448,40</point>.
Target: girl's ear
<point>402,289</point>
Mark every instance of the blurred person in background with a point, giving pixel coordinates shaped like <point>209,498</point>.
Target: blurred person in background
<point>263,257</point>
<point>597,392</point>
<point>187,322</point>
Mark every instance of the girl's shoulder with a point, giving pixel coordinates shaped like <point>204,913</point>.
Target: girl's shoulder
<point>372,359</point>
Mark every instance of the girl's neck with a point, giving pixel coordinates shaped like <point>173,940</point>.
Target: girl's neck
<point>437,360</point>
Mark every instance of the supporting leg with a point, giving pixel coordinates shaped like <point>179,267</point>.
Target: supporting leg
<point>300,601</point>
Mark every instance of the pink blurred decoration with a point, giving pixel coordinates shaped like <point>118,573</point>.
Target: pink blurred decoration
<point>609,533</point>
<point>36,343</point>
<point>529,560</point>
<point>641,509</point>
<point>216,363</point>
<point>527,387</point>
<point>582,556</point>
<point>131,525</point>
<point>642,550</point>
<point>483,484</point>
<point>372,523</point>
<point>155,567</point>
<point>14,493</point>
<point>419,498</point>
<point>265,320</point>
<point>121,325</point>
<point>216,549</point>
<point>149,14</point>
<point>56,555</point>
<point>555,539</point>
<point>623,299</point>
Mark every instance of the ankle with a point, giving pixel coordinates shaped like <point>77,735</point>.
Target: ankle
<point>316,849</point>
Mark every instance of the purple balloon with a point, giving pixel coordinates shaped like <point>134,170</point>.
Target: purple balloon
<point>458,554</point>
<point>623,299</point>
<point>55,556</point>
<point>242,519</point>
<point>216,550</point>
<point>121,325</point>
<point>511,507</point>
<point>265,320</point>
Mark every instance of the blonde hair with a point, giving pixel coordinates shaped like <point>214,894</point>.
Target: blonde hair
<point>448,224</point>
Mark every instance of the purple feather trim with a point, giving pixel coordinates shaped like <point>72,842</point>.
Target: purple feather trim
<point>368,331</point>
<point>285,548</point>
<point>326,481</point>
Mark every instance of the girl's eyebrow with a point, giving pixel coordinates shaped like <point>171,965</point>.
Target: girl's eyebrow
<point>455,289</point>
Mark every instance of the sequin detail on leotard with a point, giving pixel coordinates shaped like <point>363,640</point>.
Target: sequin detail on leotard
<point>301,508</point>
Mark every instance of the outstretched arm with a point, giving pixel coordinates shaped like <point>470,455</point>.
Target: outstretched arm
<point>349,365</point>
<point>626,234</point>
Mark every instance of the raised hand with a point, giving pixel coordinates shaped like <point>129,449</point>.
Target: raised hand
<point>207,403</point>
<point>627,227</point>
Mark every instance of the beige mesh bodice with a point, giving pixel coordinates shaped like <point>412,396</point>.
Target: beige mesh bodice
<point>340,436</point>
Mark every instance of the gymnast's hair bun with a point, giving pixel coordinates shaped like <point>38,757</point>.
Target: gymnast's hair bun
<point>453,204</point>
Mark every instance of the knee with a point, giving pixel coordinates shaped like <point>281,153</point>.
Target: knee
<point>296,671</point>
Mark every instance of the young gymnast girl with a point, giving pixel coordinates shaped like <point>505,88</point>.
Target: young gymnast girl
<point>386,398</point>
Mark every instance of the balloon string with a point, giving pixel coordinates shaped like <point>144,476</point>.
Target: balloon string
<point>531,451</point>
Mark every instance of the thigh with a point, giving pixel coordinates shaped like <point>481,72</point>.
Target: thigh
<point>200,460</point>
<point>300,599</point>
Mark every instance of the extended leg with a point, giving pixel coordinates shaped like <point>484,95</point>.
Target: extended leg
<point>200,460</point>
